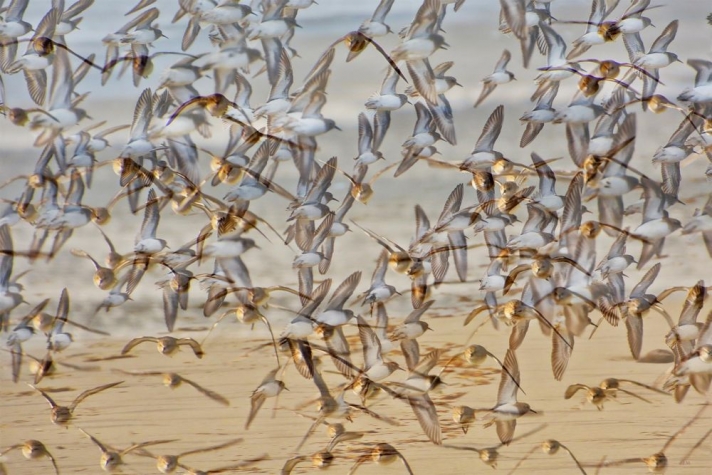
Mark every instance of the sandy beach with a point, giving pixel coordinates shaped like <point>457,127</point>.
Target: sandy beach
<point>237,356</point>
<point>143,409</point>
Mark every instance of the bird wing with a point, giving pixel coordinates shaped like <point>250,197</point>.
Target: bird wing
<point>137,341</point>
<point>90,392</point>
<point>194,345</point>
<point>509,380</point>
<point>427,416</point>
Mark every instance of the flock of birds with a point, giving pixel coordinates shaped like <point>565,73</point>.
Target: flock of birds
<point>548,270</point>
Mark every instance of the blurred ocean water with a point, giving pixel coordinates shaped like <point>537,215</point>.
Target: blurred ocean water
<point>472,33</point>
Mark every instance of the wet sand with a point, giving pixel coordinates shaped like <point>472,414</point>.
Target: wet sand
<point>143,409</point>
